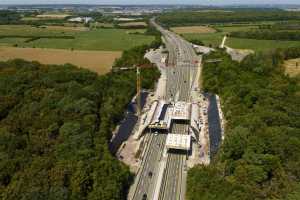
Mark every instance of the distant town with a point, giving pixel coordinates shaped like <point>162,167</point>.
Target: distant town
<point>134,10</point>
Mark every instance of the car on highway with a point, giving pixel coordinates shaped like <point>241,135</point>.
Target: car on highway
<point>150,174</point>
<point>144,197</point>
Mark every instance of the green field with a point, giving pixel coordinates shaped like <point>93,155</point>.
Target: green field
<point>10,41</point>
<point>27,30</point>
<point>227,29</point>
<point>215,39</point>
<point>99,39</point>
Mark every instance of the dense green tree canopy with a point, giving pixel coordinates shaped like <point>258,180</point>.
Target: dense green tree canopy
<point>260,156</point>
<point>185,18</point>
<point>9,17</point>
<point>268,35</point>
<point>55,125</point>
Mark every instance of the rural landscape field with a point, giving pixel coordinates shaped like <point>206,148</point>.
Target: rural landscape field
<point>137,100</point>
<point>97,61</point>
<point>76,38</point>
<point>292,67</point>
<point>193,29</point>
<point>214,38</point>
<point>39,43</point>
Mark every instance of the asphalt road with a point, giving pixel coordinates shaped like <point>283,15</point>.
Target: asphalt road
<point>171,188</point>
<point>181,72</point>
<point>149,168</point>
<point>180,76</point>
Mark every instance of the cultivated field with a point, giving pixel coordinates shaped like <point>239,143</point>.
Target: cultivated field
<point>193,29</point>
<point>27,30</point>
<point>135,31</point>
<point>53,16</point>
<point>67,28</point>
<point>133,24</point>
<point>30,19</point>
<point>46,17</point>
<point>215,39</point>
<point>101,39</point>
<point>228,29</point>
<point>292,67</point>
<point>208,11</point>
<point>97,61</point>
<point>100,24</point>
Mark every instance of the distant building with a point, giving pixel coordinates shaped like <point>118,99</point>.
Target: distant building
<point>81,19</point>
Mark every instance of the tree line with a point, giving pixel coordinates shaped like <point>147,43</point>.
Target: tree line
<point>15,18</point>
<point>267,35</point>
<point>260,156</point>
<point>281,26</point>
<point>185,18</point>
<point>9,17</point>
<point>196,42</point>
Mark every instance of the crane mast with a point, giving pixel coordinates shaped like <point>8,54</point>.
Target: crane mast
<point>138,90</point>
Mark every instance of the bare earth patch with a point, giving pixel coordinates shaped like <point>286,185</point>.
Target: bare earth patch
<point>53,16</point>
<point>133,24</point>
<point>292,67</point>
<point>193,29</point>
<point>97,61</point>
<point>238,54</point>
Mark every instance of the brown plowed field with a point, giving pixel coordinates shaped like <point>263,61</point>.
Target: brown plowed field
<point>193,29</point>
<point>292,67</point>
<point>97,61</point>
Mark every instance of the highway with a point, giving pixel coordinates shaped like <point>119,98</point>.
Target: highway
<point>181,72</point>
<point>146,181</point>
<point>173,178</point>
<point>181,75</point>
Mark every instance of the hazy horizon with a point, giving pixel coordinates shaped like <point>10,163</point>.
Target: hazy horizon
<point>153,2</point>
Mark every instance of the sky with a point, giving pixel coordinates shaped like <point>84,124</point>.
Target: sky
<point>205,2</point>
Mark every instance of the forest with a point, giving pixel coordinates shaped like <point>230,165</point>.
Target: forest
<point>260,156</point>
<point>187,18</point>
<point>55,125</point>
<point>196,42</point>
<point>291,25</point>
<point>268,35</point>
<point>9,17</point>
